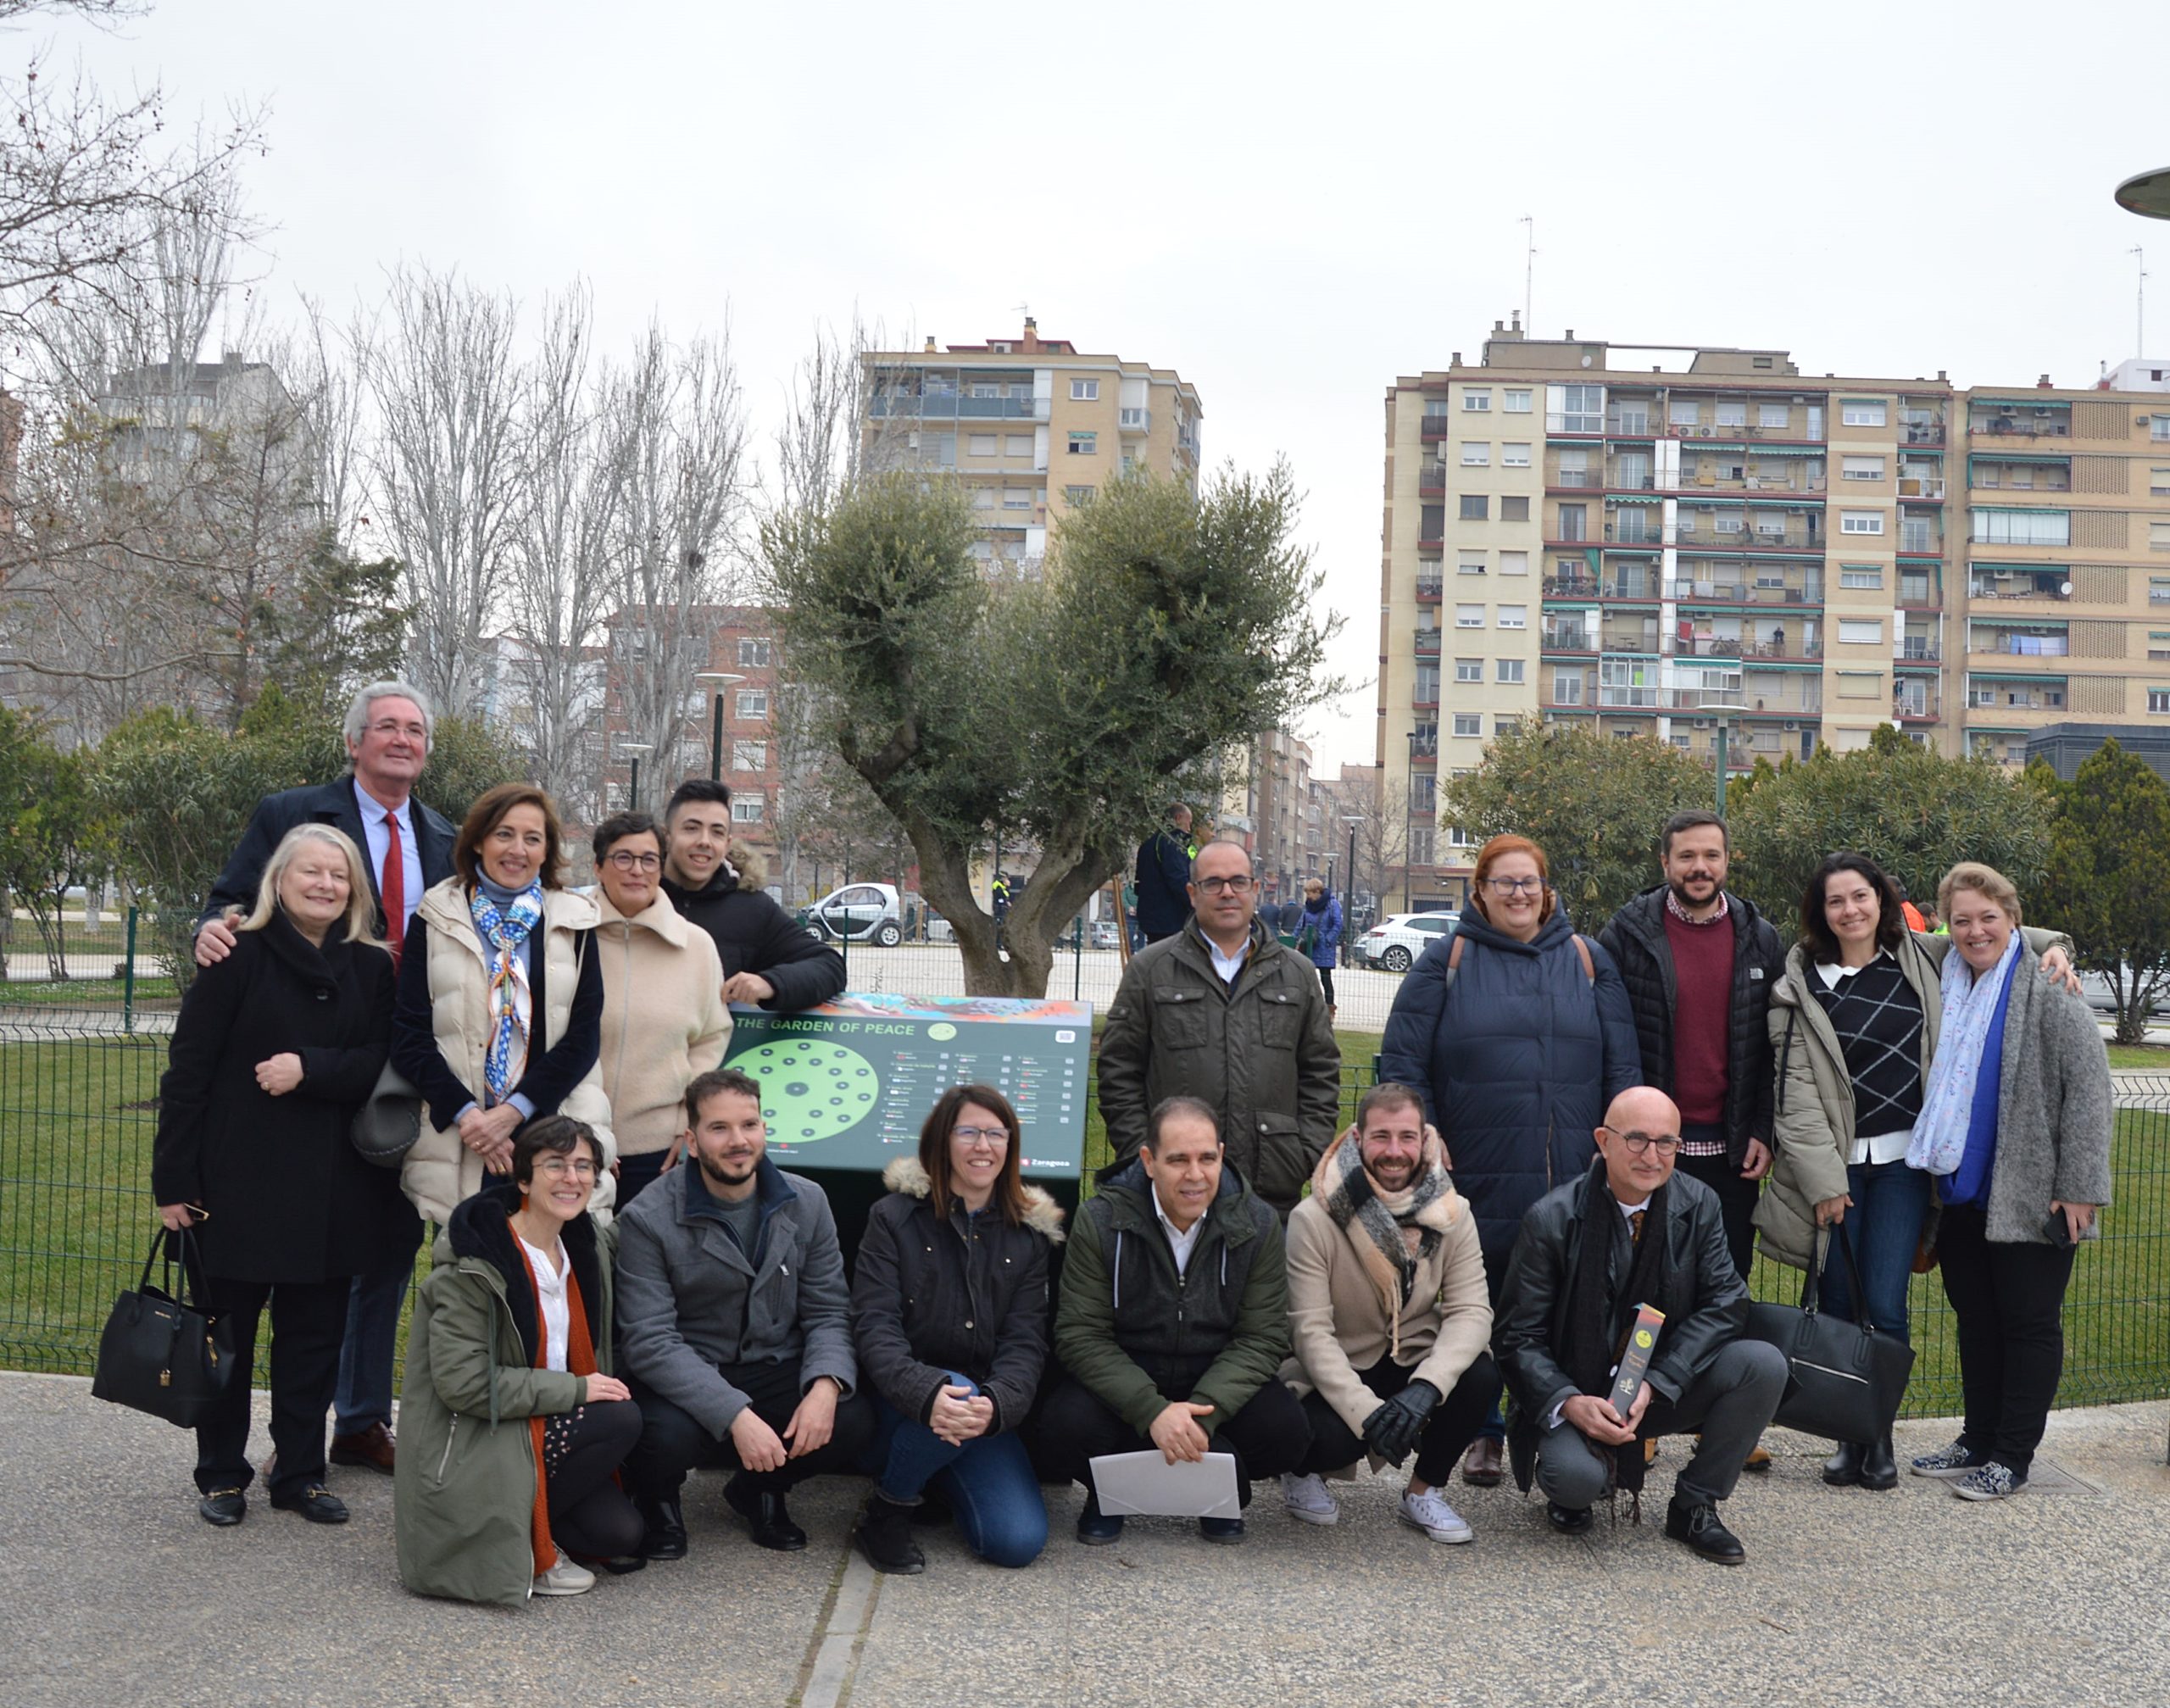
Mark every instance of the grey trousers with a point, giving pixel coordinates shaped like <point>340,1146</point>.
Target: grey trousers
<point>1729,1405</point>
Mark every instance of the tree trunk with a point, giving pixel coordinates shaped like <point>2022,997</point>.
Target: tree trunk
<point>1065,877</point>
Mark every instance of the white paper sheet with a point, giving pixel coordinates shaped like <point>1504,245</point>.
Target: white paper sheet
<point>1145,1485</point>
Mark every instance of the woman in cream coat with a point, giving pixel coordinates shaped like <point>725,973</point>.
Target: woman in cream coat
<point>500,1008</point>
<point>663,1015</point>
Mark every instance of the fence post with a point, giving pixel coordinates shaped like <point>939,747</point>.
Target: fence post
<point>1077,958</point>
<point>128,979</point>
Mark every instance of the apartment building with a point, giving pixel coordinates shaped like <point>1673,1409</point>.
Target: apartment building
<point>1289,838</point>
<point>1667,541</point>
<point>1031,425</point>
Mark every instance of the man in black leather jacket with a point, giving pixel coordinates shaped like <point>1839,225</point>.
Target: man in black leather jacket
<point>1591,1252</point>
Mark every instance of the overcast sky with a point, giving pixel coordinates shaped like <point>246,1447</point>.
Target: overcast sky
<point>1291,205</point>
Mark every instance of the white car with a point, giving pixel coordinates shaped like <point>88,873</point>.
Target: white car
<point>1396,941</point>
<point>863,912</point>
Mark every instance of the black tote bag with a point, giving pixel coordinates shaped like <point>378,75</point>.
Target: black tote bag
<point>1844,1380</point>
<point>161,1352</point>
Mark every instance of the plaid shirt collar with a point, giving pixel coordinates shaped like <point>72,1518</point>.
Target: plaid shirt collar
<point>1673,907</point>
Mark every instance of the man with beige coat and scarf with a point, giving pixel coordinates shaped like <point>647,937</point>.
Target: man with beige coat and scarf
<point>1388,1314</point>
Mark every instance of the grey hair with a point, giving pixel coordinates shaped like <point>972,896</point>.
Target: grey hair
<point>358,708</point>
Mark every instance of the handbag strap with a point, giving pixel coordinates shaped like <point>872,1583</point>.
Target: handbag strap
<point>1812,1287</point>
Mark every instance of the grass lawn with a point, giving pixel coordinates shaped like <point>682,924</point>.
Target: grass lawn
<point>89,992</point>
<point>2150,1058</point>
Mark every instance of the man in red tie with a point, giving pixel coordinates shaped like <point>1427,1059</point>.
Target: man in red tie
<point>389,732</point>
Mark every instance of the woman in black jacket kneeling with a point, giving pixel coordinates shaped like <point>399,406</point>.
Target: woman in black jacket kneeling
<point>950,1308</point>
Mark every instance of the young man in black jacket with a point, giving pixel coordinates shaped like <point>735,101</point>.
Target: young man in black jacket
<point>1591,1252</point>
<point>769,959</point>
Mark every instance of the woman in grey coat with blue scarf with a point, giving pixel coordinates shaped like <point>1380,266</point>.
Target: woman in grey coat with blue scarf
<point>2014,1124</point>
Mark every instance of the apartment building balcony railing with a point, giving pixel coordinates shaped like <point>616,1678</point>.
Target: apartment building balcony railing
<point>1926,649</point>
<point>2035,422</point>
<point>1576,478</point>
<point>2051,585</point>
<point>1724,432</point>
<point>1637,699</point>
<point>1916,709</point>
<point>1743,646</point>
<point>1434,428</point>
<point>1632,424</point>
<point>1569,587</point>
<point>1921,486</point>
<point>1916,540</point>
<point>1427,643</point>
<point>2019,646</point>
<point>1429,589</point>
<point>1421,750</point>
<point>1694,529</point>
<point>1633,533</point>
<point>1701,590</point>
<point>1187,443</point>
<point>945,407</point>
<point>1432,480</point>
<point>1710,481</point>
<point>1567,638</point>
<point>1929,432</point>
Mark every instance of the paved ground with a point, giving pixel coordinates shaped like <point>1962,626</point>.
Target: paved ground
<point>114,1593</point>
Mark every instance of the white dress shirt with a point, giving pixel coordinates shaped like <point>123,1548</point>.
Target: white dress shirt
<point>1227,965</point>
<point>1180,1245</point>
<point>557,1314</point>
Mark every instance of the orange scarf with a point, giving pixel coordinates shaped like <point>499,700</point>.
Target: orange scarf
<point>580,1360</point>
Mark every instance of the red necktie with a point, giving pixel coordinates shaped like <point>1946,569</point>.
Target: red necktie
<point>393,890</point>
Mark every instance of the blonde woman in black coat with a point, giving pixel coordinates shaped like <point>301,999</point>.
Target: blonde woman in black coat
<point>275,1048</point>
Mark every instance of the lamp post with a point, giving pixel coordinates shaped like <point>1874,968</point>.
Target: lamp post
<point>1348,885</point>
<point>718,681</point>
<point>2147,195</point>
<point>633,750</point>
<point>1725,715</point>
<point>1408,861</point>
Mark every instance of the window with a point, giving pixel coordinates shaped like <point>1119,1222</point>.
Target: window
<point>1860,468</point>
<point>1420,844</point>
<point>1514,509</point>
<point>1514,616</point>
<point>1469,616</point>
<point>1076,496</point>
<point>1017,445</point>
<point>1860,631</point>
<point>750,756</point>
<point>2158,537</point>
<point>2158,590</point>
<point>752,653</point>
<point>1426,690</point>
<point>980,444</point>
<point>1861,521</point>
<point>1860,685</point>
<point>1862,412</point>
<point>2022,527</point>
<point>1017,498</point>
<point>1514,563</point>
<point>1771,414</point>
<point>1506,726</point>
<point>1582,409</point>
<point>1475,507</point>
<point>1476,456</point>
<point>2158,427</point>
<point>753,703</point>
<point>1517,457</point>
<point>1471,562</point>
<point>1469,670</point>
<point>2158,483</point>
<point>1865,579</point>
<point>747,809</point>
<point>2158,699</point>
<point>1733,415</point>
<point>1084,444</point>
<point>1567,687</point>
<point>1084,390</point>
<point>1517,400</point>
<point>1683,412</point>
<point>1510,670</point>
<point>2158,644</point>
<point>1469,724</point>
<point>1435,409</point>
<point>1477,400</point>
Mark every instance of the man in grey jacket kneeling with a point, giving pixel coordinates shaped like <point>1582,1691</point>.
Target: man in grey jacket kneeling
<point>733,1326</point>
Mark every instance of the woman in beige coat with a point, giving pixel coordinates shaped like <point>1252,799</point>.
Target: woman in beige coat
<point>500,1006</point>
<point>663,1015</point>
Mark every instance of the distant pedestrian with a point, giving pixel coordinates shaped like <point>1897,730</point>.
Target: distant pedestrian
<point>1164,876</point>
<point>1318,934</point>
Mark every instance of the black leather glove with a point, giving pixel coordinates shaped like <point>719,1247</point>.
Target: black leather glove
<point>1392,1430</point>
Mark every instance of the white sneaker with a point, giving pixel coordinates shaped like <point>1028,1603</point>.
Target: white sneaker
<point>566,1578</point>
<point>1305,1497</point>
<point>1430,1513</point>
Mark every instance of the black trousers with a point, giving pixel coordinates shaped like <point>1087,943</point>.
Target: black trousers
<point>1447,1432</point>
<point>1326,983</point>
<point>309,1322</point>
<point>581,1450</point>
<point>2009,1300</point>
<point>636,1173</point>
<point>1267,1437</point>
<point>673,1442</point>
<point>1736,1197</point>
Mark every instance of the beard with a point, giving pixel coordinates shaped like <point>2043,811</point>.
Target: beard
<point>1680,892</point>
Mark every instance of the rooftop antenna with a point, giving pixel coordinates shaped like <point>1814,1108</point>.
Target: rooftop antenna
<point>1529,271</point>
<point>2140,301</point>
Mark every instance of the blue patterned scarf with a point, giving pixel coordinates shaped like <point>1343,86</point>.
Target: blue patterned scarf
<point>511,999</point>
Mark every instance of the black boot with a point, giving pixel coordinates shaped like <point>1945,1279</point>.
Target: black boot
<point>1879,1465</point>
<point>884,1535</point>
<point>1843,1469</point>
<point>665,1538</point>
<point>766,1516</point>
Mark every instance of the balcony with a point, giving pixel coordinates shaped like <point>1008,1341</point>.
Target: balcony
<point>1432,480</point>
<point>1713,590</point>
<point>1704,530</point>
<point>1632,424</point>
<point>1429,588</point>
<point>2023,644</point>
<point>2019,584</point>
<point>1919,649</point>
<point>1631,532</point>
<point>1434,428</point>
<point>1567,638</point>
<point>1590,479</point>
<point>1134,421</point>
<point>1927,488</point>
<point>1920,540</point>
<point>2020,419</point>
<point>950,407</point>
<point>1921,427</point>
<point>1610,698</point>
<point>1427,643</point>
<point>1795,431</point>
<point>1705,478</point>
<point>1745,647</point>
<point>1570,587</point>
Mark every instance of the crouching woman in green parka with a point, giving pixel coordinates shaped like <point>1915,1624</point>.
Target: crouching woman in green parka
<point>512,1428</point>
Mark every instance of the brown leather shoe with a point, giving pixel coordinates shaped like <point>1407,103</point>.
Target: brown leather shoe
<point>1480,1466</point>
<point>371,1448</point>
<point>1759,1459</point>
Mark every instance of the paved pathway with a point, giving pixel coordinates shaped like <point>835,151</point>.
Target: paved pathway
<point>114,1593</point>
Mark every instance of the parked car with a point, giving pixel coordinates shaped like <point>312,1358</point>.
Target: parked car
<point>1396,941</point>
<point>1104,934</point>
<point>859,912</point>
<point>2095,988</point>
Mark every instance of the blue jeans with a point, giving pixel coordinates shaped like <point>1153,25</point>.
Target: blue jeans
<point>365,1355</point>
<point>1890,1203</point>
<point>989,1482</point>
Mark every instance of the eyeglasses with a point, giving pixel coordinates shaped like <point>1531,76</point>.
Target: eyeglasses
<point>386,727</point>
<point>628,861</point>
<point>556,1168</point>
<point>1666,1145</point>
<point>1514,886</point>
<point>1223,886</point>
<point>995,1137</point>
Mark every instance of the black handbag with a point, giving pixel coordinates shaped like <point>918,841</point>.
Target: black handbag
<point>390,1120</point>
<point>1844,1380</point>
<point>161,1352</point>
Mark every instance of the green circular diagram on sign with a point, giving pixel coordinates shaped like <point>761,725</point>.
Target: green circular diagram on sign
<point>809,1091</point>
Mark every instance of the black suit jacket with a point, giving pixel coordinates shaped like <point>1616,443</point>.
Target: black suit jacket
<point>326,804</point>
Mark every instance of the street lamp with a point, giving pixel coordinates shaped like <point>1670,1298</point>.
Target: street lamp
<point>633,750</point>
<point>1725,715</point>
<point>719,681</point>
<point>2146,194</point>
<point>1348,885</point>
<point>1408,861</point>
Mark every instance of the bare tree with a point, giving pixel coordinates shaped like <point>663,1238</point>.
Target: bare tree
<point>676,425</point>
<point>447,467</point>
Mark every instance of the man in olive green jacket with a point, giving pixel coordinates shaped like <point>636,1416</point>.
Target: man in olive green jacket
<point>1173,1322</point>
<point>1223,1013</point>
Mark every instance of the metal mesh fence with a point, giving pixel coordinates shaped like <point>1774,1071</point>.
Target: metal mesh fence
<point>78,1111</point>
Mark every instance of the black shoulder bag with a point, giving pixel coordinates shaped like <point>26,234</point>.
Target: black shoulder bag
<point>161,1352</point>
<point>1844,1380</point>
